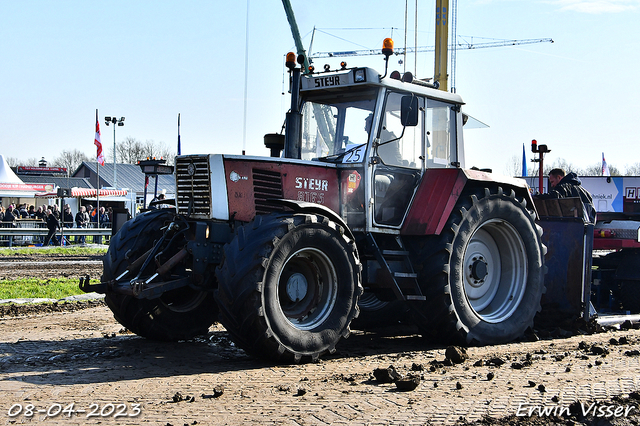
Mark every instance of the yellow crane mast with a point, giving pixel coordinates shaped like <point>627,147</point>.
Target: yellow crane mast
<point>442,39</point>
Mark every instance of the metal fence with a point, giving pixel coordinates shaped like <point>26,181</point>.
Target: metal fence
<point>32,232</point>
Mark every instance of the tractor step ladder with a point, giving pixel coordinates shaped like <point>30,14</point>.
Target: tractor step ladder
<point>407,274</point>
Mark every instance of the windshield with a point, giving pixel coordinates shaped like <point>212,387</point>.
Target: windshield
<point>333,125</point>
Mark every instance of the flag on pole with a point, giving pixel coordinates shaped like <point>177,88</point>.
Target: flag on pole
<point>605,167</point>
<point>97,142</point>
<point>179,149</point>
<point>524,161</point>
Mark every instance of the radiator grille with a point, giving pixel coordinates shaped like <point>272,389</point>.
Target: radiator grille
<point>193,185</point>
<point>267,185</point>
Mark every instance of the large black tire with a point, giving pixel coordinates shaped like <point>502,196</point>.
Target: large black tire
<point>630,296</point>
<point>176,315</point>
<point>376,313</point>
<point>289,286</point>
<point>623,278</point>
<point>483,277</point>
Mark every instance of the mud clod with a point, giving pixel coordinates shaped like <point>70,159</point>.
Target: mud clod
<point>218,391</point>
<point>495,362</point>
<point>386,375</point>
<point>456,354</point>
<point>408,383</point>
<point>598,350</point>
<point>417,367</point>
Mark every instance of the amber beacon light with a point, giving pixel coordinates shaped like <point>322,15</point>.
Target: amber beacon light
<point>387,47</point>
<point>291,60</point>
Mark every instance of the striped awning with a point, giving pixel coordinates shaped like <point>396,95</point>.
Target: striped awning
<point>86,193</point>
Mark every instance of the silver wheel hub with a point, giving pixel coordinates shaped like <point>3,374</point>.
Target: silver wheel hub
<point>307,288</point>
<point>478,270</point>
<point>495,271</point>
<point>297,287</point>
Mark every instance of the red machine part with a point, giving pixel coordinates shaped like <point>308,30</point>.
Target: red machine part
<point>616,234</point>
<point>250,185</point>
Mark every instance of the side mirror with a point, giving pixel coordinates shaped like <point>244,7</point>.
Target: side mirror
<point>409,111</point>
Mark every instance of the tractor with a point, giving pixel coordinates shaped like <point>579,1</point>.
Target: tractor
<point>364,209</point>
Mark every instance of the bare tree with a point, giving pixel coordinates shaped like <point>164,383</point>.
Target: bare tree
<point>514,166</point>
<point>160,150</point>
<point>13,161</point>
<point>563,164</point>
<point>71,160</point>
<point>596,170</point>
<point>632,170</point>
<point>131,150</point>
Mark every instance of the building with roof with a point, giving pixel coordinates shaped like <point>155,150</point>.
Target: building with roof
<point>129,177</point>
<point>43,182</point>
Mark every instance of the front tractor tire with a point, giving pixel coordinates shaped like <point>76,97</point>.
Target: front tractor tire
<point>289,286</point>
<point>178,314</point>
<point>484,275</point>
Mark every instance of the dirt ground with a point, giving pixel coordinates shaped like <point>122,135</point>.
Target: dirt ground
<point>49,266</point>
<point>72,364</point>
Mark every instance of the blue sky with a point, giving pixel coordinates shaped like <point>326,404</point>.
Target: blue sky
<point>150,60</point>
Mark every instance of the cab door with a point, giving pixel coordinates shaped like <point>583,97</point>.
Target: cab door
<point>398,158</point>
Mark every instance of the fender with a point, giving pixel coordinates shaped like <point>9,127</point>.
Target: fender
<point>306,207</point>
<point>438,194</point>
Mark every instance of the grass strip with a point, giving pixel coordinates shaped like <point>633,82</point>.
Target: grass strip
<point>35,251</point>
<point>51,288</point>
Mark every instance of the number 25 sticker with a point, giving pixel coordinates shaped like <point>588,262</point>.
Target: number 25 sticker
<point>355,153</point>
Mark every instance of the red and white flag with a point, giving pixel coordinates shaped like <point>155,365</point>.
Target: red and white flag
<point>97,142</point>
<point>605,167</point>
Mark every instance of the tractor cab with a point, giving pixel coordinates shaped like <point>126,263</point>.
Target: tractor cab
<point>388,131</point>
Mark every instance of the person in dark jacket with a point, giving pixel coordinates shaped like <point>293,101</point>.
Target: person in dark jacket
<point>67,217</point>
<point>52,225</point>
<point>569,185</point>
<point>9,215</point>
<point>82,221</point>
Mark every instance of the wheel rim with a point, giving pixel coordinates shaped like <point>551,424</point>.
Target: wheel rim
<point>307,288</point>
<point>495,271</point>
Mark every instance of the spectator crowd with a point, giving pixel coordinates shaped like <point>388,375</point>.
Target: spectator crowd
<point>85,217</point>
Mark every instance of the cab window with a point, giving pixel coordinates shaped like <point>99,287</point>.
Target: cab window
<point>400,145</point>
<point>441,135</point>
<point>333,126</point>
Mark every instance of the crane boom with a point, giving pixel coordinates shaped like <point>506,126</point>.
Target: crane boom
<point>288,10</point>
<point>401,50</point>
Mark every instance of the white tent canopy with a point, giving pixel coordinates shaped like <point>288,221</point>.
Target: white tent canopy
<point>12,187</point>
<point>6,174</point>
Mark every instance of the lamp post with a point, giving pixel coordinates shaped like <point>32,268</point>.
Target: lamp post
<point>120,122</point>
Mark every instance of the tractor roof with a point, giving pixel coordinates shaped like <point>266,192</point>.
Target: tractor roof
<point>359,77</point>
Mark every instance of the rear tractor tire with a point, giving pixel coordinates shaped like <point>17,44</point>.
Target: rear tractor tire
<point>178,314</point>
<point>484,275</point>
<point>289,286</point>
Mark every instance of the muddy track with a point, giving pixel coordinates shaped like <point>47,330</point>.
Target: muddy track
<point>53,357</point>
<point>49,266</point>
